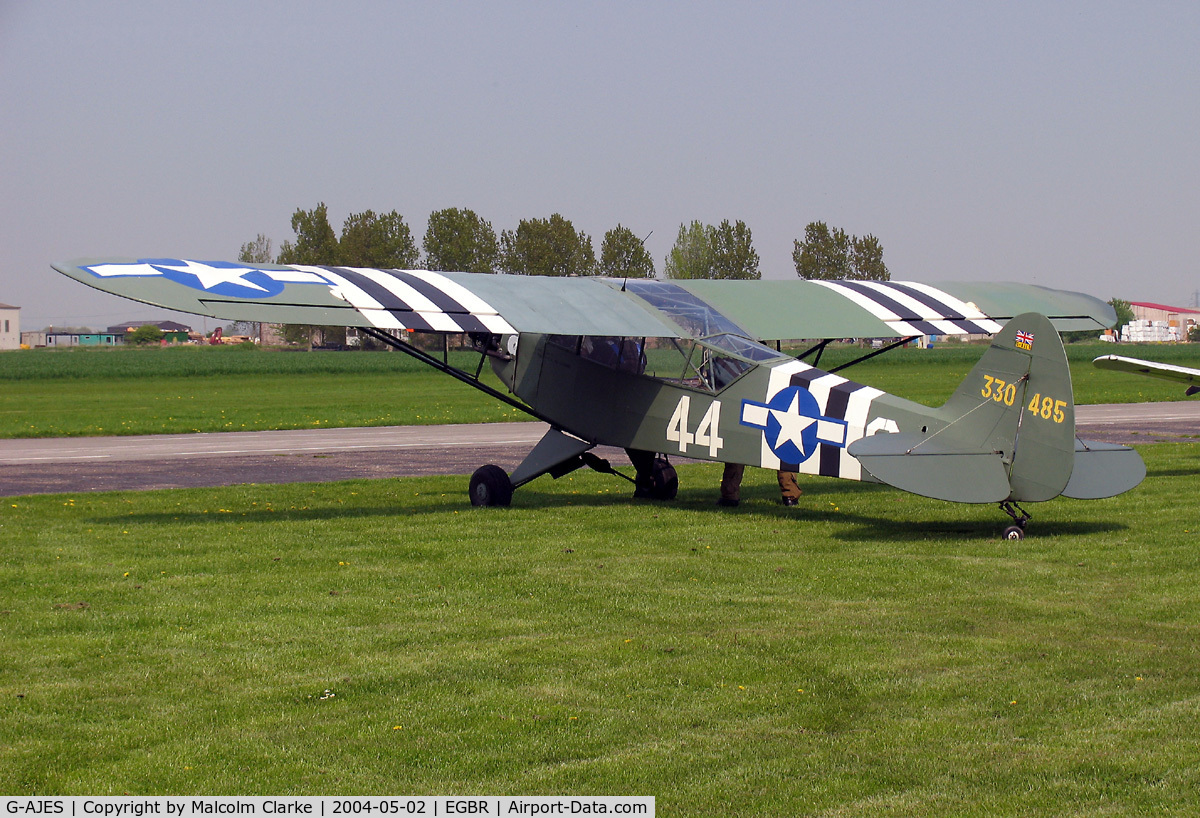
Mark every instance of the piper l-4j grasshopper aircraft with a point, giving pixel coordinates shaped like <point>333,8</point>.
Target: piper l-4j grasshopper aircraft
<point>574,353</point>
<point>1166,372</point>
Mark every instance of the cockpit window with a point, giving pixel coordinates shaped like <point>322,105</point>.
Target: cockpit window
<point>743,347</point>
<point>710,362</point>
<point>618,352</point>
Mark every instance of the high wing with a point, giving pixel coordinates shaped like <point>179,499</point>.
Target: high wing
<point>884,309</point>
<point>385,299</point>
<point>502,304</point>
<point>1166,372</point>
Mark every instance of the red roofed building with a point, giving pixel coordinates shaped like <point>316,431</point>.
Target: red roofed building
<point>1163,321</point>
<point>1147,311</point>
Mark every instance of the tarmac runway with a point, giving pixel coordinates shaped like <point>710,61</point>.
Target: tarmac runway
<point>54,465</point>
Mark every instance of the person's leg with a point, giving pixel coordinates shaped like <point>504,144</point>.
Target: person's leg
<point>789,489</point>
<point>643,464</point>
<point>731,484</point>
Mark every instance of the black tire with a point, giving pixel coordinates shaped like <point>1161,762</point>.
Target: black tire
<point>666,481</point>
<point>1014,532</point>
<point>490,486</point>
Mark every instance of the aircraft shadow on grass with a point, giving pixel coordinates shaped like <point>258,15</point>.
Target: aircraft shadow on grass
<point>820,503</point>
<point>1175,472</point>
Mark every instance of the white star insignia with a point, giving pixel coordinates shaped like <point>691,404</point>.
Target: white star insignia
<point>792,425</point>
<point>212,276</point>
<point>116,270</point>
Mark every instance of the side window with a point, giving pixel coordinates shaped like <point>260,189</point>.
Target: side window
<point>603,349</point>
<point>570,342</point>
<point>680,361</point>
<point>633,355</point>
<point>615,351</point>
<point>688,363</point>
<point>720,370</point>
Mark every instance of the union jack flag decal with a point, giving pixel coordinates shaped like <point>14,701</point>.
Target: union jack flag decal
<point>1024,339</point>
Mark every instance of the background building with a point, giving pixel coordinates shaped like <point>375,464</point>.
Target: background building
<point>173,331</point>
<point>1159,322</point>
<point>49,338</point>
<point>10,327</point>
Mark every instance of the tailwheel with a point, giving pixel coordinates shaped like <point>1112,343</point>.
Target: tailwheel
<point>490,486</point>
<point>1020,518</point>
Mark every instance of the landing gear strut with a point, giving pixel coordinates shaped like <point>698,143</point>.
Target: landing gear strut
<point>1019,516</point>
<point>559,455</point>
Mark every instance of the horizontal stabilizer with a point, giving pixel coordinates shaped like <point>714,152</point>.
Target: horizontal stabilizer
<point>1103,470</point>
<point>920,465</point>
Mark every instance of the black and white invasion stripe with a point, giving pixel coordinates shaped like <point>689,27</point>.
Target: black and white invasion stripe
<point>911,308</point>
<point>837,398</point>
<point>412,299</point>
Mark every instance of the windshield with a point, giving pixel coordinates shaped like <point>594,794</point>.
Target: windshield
<point>742,347</point>
<point>715,355</point>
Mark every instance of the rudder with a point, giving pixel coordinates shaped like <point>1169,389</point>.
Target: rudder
<point>1017,401</point>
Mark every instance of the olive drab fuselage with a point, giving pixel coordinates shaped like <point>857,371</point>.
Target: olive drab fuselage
<point>776,412</point>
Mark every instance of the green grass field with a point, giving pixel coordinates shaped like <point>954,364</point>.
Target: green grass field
<point>69,392</point>
<point>869,652</point>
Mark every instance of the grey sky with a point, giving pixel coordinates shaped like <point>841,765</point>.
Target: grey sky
<point>1051,143</point>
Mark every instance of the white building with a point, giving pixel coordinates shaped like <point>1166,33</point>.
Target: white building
<point>10,327</point>
<point>1159,322</point>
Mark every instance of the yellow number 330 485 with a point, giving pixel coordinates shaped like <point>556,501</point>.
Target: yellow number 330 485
<point>1048,408</point>
<point>998,390</point>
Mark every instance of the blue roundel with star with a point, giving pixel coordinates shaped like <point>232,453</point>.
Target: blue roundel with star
<point>218,277</point>
<point>791,425</point>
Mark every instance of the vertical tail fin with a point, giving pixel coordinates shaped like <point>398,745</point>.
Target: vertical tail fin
<point>1018,401</point>
<point>1007,433</point>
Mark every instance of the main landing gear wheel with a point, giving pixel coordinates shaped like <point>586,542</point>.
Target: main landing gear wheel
<point>664,480</point>
<point>490,486</point>
<point>1014,532</point>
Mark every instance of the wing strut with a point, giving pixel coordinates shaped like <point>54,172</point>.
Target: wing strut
<point>454,372</point>
<point>871,355</point>
<point>817,348</point>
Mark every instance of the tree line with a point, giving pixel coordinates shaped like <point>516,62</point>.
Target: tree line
<point>458,239</point>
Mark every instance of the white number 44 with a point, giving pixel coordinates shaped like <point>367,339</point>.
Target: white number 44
<point>706,434</point>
